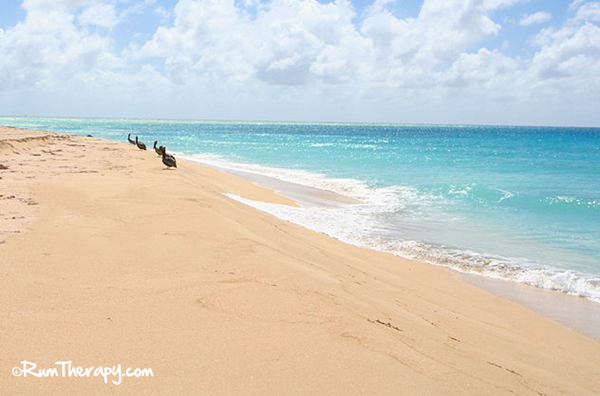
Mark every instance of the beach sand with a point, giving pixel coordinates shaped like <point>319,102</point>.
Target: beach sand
<point>107,258</point>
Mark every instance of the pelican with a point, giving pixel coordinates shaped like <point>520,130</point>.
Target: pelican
<point>168,159</point>
<point>163,150</point>
<point>158,149</point>
<point>140,145</point>
<point>130,139</point>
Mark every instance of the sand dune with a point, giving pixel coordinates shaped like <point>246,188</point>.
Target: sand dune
<point>108,258</point>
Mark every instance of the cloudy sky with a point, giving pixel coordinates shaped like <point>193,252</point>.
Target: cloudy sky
<point>406,61</point>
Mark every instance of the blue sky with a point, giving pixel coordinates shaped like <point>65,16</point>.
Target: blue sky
<point>433,61</point>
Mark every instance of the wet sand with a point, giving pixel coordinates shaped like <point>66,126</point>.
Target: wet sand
<point>575,312</point>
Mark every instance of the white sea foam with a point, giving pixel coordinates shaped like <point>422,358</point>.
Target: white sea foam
<point>321,144</point>
<point>362,225</point>
<point>507,195</point>
<point>356,225</point>
<point>387,198</point>
<point>348,145</point>
<point>574,201</point>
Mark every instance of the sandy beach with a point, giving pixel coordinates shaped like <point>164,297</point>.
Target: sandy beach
<point>108,258</point>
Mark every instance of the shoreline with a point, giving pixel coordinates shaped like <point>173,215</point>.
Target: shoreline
<point>578,313</point>
<point>170,270</point>
<point>429,220</point>
<point>553,304</point>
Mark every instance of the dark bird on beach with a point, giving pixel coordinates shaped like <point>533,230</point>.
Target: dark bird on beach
<point>140,144</point>
<point>168,159</point>
<point>158,149</point>
<point>129,139</point>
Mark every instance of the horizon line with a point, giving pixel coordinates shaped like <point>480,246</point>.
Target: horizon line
<point>242,121</point>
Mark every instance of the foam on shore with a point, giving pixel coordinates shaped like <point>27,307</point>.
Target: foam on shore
<point>351,211</point>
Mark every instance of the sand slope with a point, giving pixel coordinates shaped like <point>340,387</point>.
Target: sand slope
<point>119,261</point>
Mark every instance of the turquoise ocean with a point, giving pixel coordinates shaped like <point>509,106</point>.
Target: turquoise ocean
<point>510,202</point>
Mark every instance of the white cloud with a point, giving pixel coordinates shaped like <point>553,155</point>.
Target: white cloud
<point>299,59</point>
<point>570,52</point>
<point>294,42</point>
<point>56,5</point>
<point>283,44</point>
<point>483,69</point>
<point>535,18</point>
<point>47,48</point>
<point>162,12</point>
<point>576,4</point>
<point>102,15</point>
<point>589,12</point>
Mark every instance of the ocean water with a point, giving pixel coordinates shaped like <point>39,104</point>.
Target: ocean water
<point>516,203</point>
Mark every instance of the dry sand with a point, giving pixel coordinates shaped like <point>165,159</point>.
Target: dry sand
<point>107,258</point>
